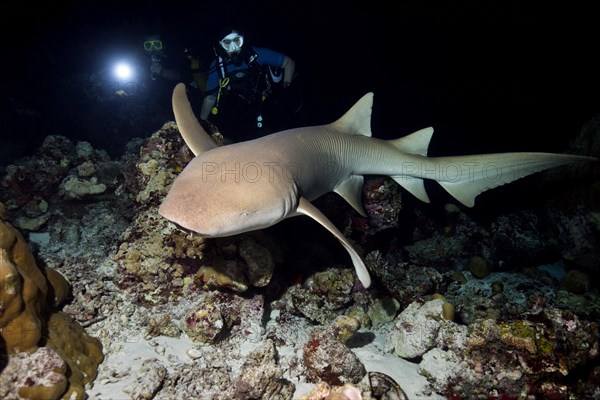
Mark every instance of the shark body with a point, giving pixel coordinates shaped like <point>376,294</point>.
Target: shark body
<point>251,185</point>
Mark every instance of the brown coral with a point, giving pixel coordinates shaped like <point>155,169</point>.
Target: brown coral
<point>26,312</point>
<point>479,267</point>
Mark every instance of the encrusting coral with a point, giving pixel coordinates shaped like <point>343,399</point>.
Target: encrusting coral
<point>28,321</point>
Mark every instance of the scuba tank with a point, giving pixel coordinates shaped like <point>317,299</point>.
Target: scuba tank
<point>199,76</point>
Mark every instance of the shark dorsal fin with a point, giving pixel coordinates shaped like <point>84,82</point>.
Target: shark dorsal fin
<point>351,191</point>
<point>192,132</point>
<point>415,143</point>
<point>357,120</point>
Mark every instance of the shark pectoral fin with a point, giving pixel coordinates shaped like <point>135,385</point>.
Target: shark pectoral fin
<point>351,191</point>
<point>415,186</point>
<point>306,208</point>
<point>192,132</point>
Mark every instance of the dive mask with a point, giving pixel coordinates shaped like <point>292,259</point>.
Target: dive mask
<point>232,43</point>
<point>153,45</point>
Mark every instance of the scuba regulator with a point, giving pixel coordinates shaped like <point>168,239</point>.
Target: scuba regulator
<point>155,58</point>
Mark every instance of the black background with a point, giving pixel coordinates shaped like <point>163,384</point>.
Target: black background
<point>488,75</point>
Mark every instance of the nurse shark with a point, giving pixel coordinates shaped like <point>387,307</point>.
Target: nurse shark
<point>246,186</point>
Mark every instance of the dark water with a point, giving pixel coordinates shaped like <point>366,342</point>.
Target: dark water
<point>489,76</point>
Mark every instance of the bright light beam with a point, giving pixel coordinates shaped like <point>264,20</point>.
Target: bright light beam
<point>123,71</point>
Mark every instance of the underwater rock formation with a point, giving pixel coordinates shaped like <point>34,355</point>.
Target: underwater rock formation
<point>421,327</point>
<point>233,318</point>
<point>43,367</point>
<point>156,257</point>
<point>74,187</point>
<point>324,391</point>
<point>327,358</point>
<point>404,281</point>
<point>261,377</point>
<point>323,296</point>
<point>28,321</point>
<point>31,186</point>
<point>150,378</point>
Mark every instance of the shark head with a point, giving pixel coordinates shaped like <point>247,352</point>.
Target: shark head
<point>214,200</point>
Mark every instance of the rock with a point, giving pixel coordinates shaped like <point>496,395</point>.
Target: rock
<point>260,376</point>
<point>36,375</point>
<point>328,359</point>
<point>204,324</point>
<point>150,378</point>
<point>576,282</point>
<point>72,187</point>
<point>86,169</point>
<point>383,310</point>
<point>440,367</point>
<point>416,329</point>
<point>260,261</point>
<point>423,326</point>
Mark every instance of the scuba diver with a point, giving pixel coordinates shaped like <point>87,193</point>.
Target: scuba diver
<point>242,80</point>
<point>173,66</point>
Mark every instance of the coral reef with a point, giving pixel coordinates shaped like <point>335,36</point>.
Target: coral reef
<point>261,377</point>
<point>382,200</point>
<point>327,358</point>
<point>205,323</point>
<point>404,281</point>
<point>156,257</point>
<point>546,351</point>
<point>75,169</point>
<point>74,187</point>
<point>29,321</point>
<point>421,327</point>
<point>478,267</point>
<point>323,391</point>
<point>40,374</point>
<point>323,296</point>
<point>461,306</point>
<point>533,355</point>
<point>383,310</point>
<point>150,378</point>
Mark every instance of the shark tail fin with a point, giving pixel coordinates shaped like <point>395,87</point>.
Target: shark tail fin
<point>465,177</point>
<point>415,143</point>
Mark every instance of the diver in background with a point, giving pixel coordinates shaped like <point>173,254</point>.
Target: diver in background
<point>242,78</point>
<point>174,66</point>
